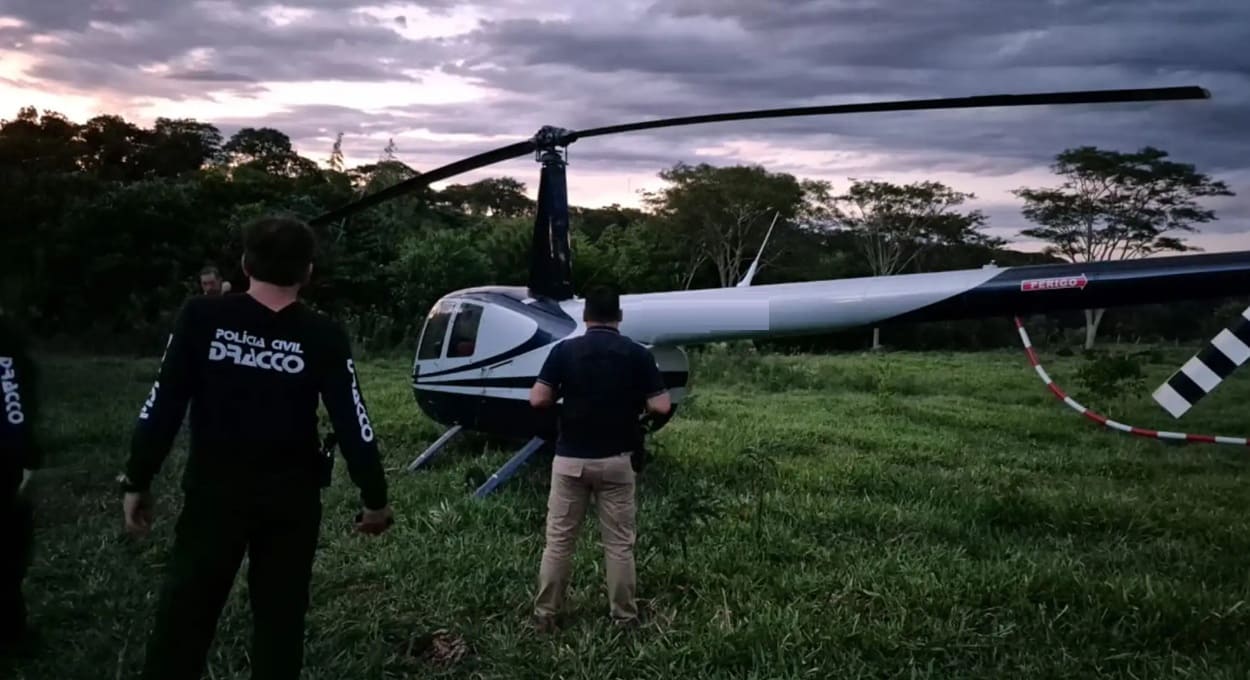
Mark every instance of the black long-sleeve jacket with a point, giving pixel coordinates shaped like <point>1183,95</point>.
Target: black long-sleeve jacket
<point>252,378</point>
<point>19,449</point>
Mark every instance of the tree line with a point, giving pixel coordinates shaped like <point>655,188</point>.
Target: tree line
<point>107,223</point>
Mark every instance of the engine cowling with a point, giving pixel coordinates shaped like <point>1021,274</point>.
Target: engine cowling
<point>674,368</point>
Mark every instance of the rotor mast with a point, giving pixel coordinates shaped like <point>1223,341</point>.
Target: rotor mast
<point>551,267</point>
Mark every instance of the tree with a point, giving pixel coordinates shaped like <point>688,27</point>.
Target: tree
<point>645,256</point>
<point>376,176</point>
<point>725,212</point>
<point>181,145</point>
<point>47,143</point>
<point>336,154</point>
<point>109,222</point>
<point>269,151</point>
<point>593,222</point>
<point>400,213</point>
<point>1117,206</point>
<point>252,144</point>
<point>894,224</point>
<point>115,149</point>
<point>493,196</point>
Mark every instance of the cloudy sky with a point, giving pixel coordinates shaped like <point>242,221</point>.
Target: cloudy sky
<point>448,79</point>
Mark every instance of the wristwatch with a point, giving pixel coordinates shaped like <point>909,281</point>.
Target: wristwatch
<point>127,486</point>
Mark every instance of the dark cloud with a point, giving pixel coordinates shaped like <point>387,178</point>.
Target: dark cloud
<point>76,15</point>
<point>110,78</point>
<point>330,43</point>
<point>1232,212</point>
<point>598,63</point>
<point>538,43</point>
<point>210,76</point>
<point>961,33</point>
<point>322,121</point>
<point>746,55</point>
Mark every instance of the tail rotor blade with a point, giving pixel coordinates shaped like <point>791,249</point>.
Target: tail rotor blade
<point>1207,369</point>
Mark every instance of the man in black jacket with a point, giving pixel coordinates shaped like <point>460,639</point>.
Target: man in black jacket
<point>252,368</point>
<point>19,455</point>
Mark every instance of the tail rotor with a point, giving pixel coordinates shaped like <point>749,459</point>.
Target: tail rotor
<point>1205,370</point>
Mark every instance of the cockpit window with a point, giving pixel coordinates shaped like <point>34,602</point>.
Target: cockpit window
<point>464,331</point>
<point>435,330</point>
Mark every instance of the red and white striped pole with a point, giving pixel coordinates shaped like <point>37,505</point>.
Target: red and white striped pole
<point>1107,422</point>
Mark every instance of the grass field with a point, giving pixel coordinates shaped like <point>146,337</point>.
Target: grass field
<point>901,515</point>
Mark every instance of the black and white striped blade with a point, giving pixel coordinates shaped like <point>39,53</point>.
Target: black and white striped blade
<point>1204,371</point>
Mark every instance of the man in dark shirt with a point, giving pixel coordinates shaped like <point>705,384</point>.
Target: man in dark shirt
<point>19,456</point>
<point>606,381</point>
<point>251,367</point>
<point>211,283</point>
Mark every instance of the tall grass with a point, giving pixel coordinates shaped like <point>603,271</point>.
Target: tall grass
<point>876,515</point>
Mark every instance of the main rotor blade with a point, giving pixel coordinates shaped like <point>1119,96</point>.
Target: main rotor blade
<point>481,160</point>
<point>519,149</point>
<point>1078,97</point>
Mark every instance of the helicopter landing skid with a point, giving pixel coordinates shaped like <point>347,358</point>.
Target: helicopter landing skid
<point>435,448</point>
<point>509,468</point>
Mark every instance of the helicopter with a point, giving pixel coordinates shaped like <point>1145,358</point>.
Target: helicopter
<point>480,349</point>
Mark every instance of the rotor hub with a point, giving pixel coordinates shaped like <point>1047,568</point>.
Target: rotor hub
<point>549,137</point>
<point>552,144</point>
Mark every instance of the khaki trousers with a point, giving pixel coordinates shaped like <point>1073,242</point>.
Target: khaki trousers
<point>573,480</point>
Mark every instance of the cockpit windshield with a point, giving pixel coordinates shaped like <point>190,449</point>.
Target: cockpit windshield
<point>465,320</point>
<point>435,332</point>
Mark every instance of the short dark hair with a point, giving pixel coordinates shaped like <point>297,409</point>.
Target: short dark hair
<point>278,250</point>
<point>211,269</point>
<point>603,305</point>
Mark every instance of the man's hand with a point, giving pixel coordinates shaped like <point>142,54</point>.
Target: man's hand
<point>137,508</point>
<point>374,522</point>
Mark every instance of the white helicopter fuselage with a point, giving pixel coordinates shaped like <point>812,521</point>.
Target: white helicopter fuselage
<point>482,348</point>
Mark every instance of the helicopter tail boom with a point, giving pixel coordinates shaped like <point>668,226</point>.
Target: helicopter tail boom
<point>793,309</point>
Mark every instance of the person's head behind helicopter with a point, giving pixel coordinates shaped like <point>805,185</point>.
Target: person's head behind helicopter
<point>211,283</point>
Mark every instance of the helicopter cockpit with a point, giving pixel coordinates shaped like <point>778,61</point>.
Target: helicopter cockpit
<point>478,353</point>
<point>460,333</point>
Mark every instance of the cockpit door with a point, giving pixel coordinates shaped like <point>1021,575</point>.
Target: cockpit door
<point>462,344</point>
<point>462,339</point>
<point>482,340</point>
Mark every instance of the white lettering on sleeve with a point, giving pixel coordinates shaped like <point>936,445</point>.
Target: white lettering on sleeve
<point>362,416</point>
<point>12,398</point>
